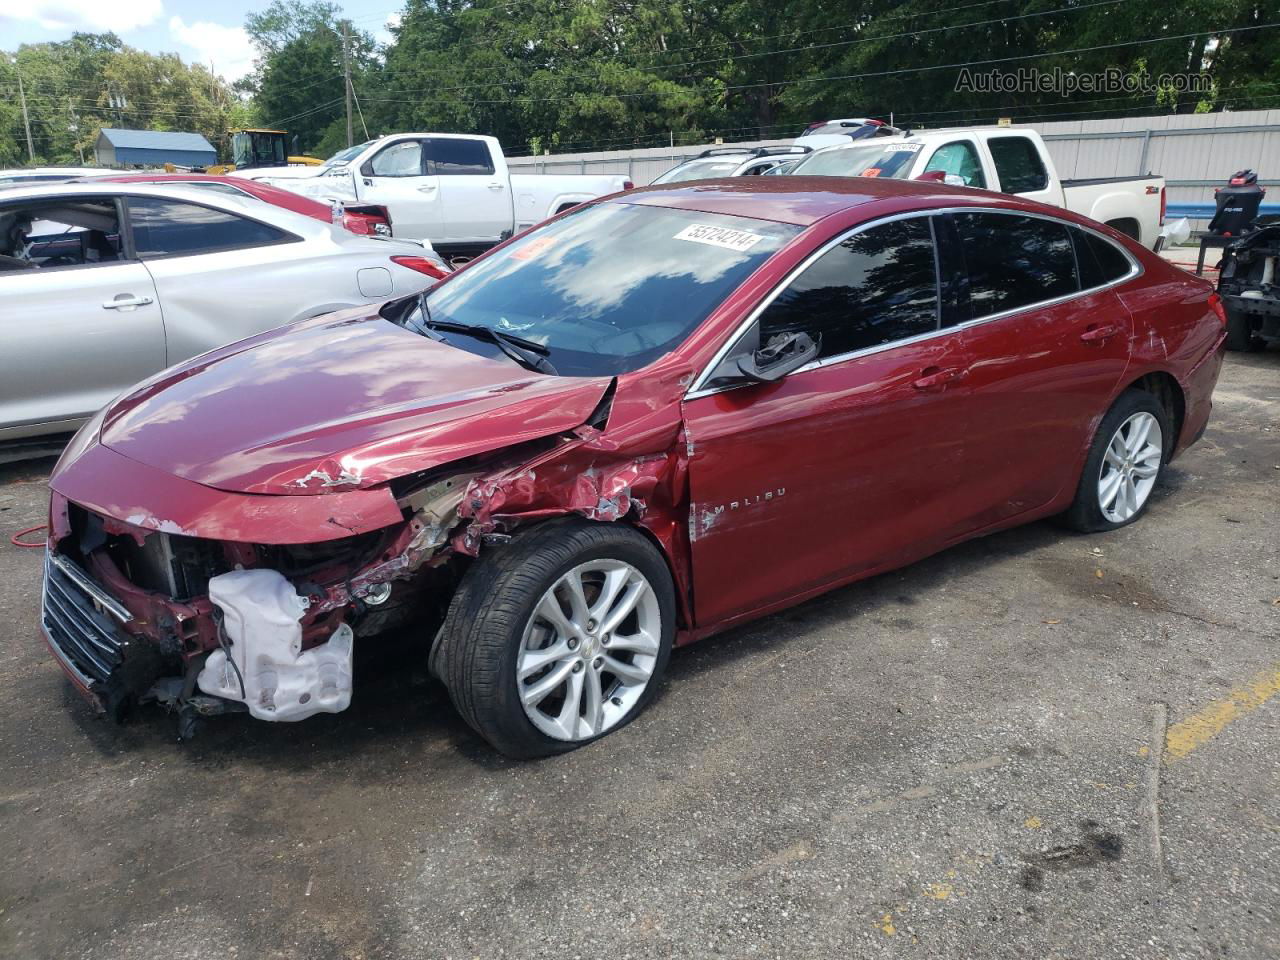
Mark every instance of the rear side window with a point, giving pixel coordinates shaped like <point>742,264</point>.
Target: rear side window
<point>873,288</point>
<point>172,228</point>
<point>458,157</point>
<point>1014,261</point>
<point>1101,262</point>
<point>1018,164</point>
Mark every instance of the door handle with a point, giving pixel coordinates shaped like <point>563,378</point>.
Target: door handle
<point>428,189</point>
<point>1096,333</point>
<point>931,377</point>
<point>126,301</point>
<point>495,185</point>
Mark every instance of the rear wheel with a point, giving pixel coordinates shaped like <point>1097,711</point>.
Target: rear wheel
<point>558,637</point>
<point>1124,464</point>
<point>1240,334</point>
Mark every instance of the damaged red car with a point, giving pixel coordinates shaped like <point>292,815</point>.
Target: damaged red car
<point>649,419</point>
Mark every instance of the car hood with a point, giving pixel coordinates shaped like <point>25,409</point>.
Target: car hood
<point>336,403</point>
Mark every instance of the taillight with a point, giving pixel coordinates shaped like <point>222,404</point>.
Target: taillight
<point>1218,307</point>
<point>356,224</point>
<point>423,265</point>
<point>816,125</point>
<point>628,185</point>
<point>875,123</point>
<point>1164,203</point>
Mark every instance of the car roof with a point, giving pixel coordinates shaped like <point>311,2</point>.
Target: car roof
<point>246,205</point>
<point>796,200</point>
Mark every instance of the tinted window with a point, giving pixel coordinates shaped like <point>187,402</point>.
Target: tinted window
<point>1100,260</point>
<point>875,287</point>
<point>608,288</point>
<point>402,159</point>
<point>460,157</point>
<point>960,159</point>
<point>1014,260</point>
<point>163,227</point>
<point>1018,164</point>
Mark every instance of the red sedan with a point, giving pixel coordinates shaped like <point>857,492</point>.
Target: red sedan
<point>649,419</point>
<point>366,222</point>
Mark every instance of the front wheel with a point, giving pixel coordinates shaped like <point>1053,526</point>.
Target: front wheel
<point>558,637</point>
<point>1123,466</point>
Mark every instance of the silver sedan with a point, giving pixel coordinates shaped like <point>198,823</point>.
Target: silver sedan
<point>103,285</point>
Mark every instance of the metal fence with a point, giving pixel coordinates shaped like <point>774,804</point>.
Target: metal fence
<point>1193,152</point>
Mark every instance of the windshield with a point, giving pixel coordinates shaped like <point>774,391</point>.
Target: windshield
<point>872,160</point>
<point>605,290</point>
<point>701,170</point>
<point>343,157</point>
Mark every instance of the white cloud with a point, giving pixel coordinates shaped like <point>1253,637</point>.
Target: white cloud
<point>228,47</point>
<point>384,35</point>
<point>120,16</point>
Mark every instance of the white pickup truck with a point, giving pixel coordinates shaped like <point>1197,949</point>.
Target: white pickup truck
<point>452,189</point>
<point>1006,159</point>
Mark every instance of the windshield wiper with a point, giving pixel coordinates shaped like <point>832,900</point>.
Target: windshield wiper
<point>530,355</point>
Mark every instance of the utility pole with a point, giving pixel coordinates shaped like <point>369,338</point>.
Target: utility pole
<point>346,78</point>
<point>26,120</point>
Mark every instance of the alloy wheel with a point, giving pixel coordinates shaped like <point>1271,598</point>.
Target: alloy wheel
<point>589,650</point>
<point>1130,466</point>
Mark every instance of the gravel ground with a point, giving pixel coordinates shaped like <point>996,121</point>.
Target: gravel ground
<point>1034,745</point>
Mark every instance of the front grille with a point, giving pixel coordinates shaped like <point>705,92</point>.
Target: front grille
<point>77,616</point>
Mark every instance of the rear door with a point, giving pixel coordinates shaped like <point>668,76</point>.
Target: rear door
<point>477,197</point>
<point>397,177</point>
<point>1020,169</point>
<point>1047,353</point>
<point>221,276</point>
<point>847,465</point>
<point>79,327</point>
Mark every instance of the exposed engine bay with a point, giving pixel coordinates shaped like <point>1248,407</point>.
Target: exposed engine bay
<point>1250,282</point>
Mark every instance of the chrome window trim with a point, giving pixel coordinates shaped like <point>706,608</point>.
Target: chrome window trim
<point>698,388</point>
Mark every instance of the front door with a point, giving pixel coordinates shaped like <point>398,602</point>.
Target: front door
<point>397,178</point>
<point>845,466</point>
<point>477,198</point>
<point>80,322</point>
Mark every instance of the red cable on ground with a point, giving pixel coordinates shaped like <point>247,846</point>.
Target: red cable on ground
<point>17,540</point>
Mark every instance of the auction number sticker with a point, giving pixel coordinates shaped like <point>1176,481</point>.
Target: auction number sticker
<point>903,147</point>
<point>719,236</point>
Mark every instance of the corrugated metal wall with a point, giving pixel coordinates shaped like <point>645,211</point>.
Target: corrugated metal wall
<point>1194,152</point>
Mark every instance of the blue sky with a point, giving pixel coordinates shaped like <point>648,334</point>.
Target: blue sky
<point>195,29</point>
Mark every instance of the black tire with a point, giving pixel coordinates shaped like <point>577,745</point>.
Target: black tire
<point>477,648</point>
<point>1240,335</point>
<point>1085,513</point>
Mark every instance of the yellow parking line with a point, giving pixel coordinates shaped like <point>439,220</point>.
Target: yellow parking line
<point>1201,727</point>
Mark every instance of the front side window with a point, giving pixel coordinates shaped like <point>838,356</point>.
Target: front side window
<point>873,288</point>
<point>459,157</point>
<point>48,234</point>
<point>1014,260</point>
<point>604,290</point>
<point>1018,164</point>
<point>959,159</point>
<point>164,227</point>
<point>893,160</point>
<point>402,159</point>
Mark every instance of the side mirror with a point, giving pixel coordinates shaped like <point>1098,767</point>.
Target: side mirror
<point>782,355</point>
